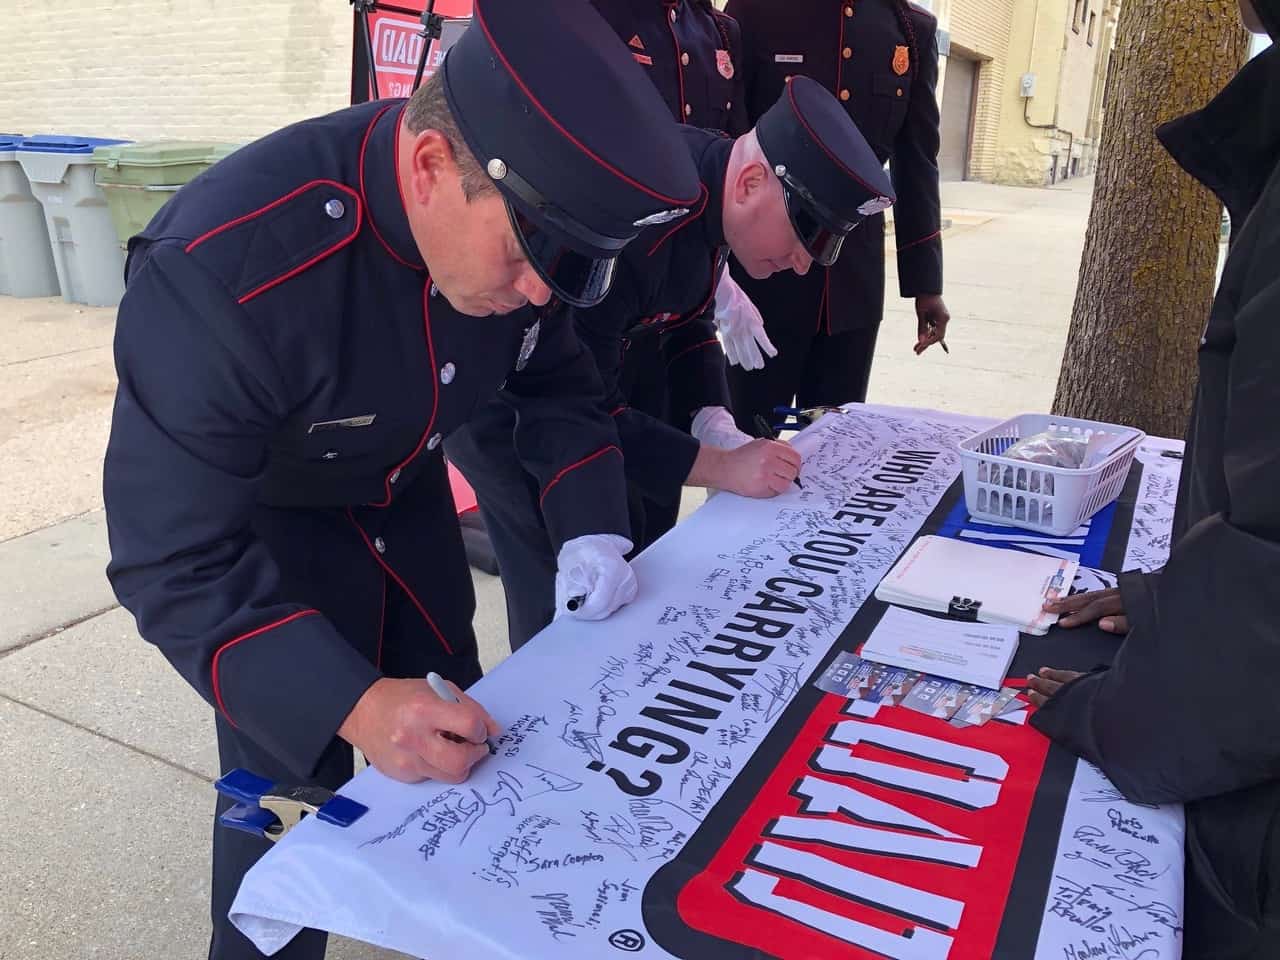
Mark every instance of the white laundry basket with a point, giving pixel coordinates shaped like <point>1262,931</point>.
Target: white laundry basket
<point>1055,500</point>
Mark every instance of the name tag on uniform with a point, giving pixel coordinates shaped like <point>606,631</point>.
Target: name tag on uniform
<point>788,58</point>
<point>344,424</point>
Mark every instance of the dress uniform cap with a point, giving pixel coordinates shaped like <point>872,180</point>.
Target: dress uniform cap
<point>831,179</point>
<point>574,135</point>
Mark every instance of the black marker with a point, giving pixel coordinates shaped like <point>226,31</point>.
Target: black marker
<point>767,432</point>
<point>575,602</point>
<point>441,690</point>
<point>933,328</point>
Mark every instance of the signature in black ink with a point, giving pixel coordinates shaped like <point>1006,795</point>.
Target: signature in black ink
<point>1131,826</point>
<point>780,685</point>
<point>614,669</point>
<point>506,794</point>
<point>556,914</point>
<point>1134,867</point>
<point>548,781</point>
<point>586,738</point>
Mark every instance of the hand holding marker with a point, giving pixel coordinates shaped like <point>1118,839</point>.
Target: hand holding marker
<point>768,433</point>
<point>441,689</point>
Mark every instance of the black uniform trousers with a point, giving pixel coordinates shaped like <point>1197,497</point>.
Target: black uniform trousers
<point>325,564</point>
<point>642,379</point>
<point>512,515</point>
<point>812,368</point>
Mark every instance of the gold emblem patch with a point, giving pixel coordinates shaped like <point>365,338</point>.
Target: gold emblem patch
<point>901,60</point>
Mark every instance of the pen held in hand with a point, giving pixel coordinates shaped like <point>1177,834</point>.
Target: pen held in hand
<point>766,432</point>
<point>576,602</point>
<point>441,690</point>
<point>933,328</point>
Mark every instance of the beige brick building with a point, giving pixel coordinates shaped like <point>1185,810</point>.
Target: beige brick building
<point>199,69</point>
<point>235,69</point>
<point>1022,87</point>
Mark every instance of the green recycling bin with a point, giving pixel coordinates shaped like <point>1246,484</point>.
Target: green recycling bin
<point>138,178</point>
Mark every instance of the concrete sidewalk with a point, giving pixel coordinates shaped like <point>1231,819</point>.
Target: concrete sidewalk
<point>108,756</point>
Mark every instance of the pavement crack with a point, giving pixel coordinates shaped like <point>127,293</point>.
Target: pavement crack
<point>105,736</point>
<point>61,628</point>
<point>54,356</point>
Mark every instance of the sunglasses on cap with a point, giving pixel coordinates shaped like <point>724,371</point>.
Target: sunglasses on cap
<point>821,231</point>
<point>576,262</point>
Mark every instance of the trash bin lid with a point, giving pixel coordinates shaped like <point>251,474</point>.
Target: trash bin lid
<point>162,153</point>
<point>10,141</point>
<point>46,143</point>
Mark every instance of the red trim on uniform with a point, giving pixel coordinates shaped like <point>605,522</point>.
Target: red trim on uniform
<point>435,397</point>
<point>612,448</point>
<point>617,410</point>
<point>403,586</point>
<point>479,18</point>
<point>696,346</point>
<point>350,238</point>
<point>364,146</point>
<point>703,199</point>
<point>813,134</point>
<point>382,621</point>
<point>271,206</point>
<point>916,243</point>
<point>213,667</point>
<point>681,117</point>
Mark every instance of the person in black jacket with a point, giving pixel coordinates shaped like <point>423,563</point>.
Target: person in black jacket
<point>880,59</point>
<point>1159,722</point>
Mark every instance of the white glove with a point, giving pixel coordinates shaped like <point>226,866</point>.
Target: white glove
<point>741,326</point>
<point>714,426</point>
<point>593,577</point>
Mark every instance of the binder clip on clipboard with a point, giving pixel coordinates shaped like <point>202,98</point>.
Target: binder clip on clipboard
<point>270,810</point>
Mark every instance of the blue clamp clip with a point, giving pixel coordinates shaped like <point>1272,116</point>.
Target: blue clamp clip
<point>270,810</point>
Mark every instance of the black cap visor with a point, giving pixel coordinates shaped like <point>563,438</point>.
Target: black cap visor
<point>579,279</point>
<point>576,262</point>
<point>820,230</point>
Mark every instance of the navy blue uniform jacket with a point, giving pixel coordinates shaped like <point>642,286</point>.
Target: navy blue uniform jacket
<point>287,373</point>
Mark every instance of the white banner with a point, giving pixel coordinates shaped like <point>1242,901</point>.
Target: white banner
<point>621,737</point>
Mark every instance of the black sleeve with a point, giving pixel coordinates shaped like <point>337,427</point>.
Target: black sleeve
<point>198,395</point>
<point>917,215</point>
<point>565,437</point>
<point>658,457</point>
<point>695,364</point>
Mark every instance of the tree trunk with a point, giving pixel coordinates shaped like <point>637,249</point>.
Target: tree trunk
<point>1150,253</point>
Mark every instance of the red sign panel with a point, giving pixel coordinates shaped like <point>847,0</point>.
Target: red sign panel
<point>397,44</point>
<point>893,837</point>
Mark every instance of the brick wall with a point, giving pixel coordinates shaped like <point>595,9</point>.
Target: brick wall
<point>204,69</point>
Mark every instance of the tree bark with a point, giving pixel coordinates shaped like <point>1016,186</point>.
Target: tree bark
<point>1151,249</point>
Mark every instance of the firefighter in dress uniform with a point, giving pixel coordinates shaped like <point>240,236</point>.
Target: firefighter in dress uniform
<point>693,54</point>
<point>880,58</point>
<point>781,197</point>
<point>302,326</point>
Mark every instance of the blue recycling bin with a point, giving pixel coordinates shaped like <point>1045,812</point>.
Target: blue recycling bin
<point>26,261</point>
<point>81,236</point>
